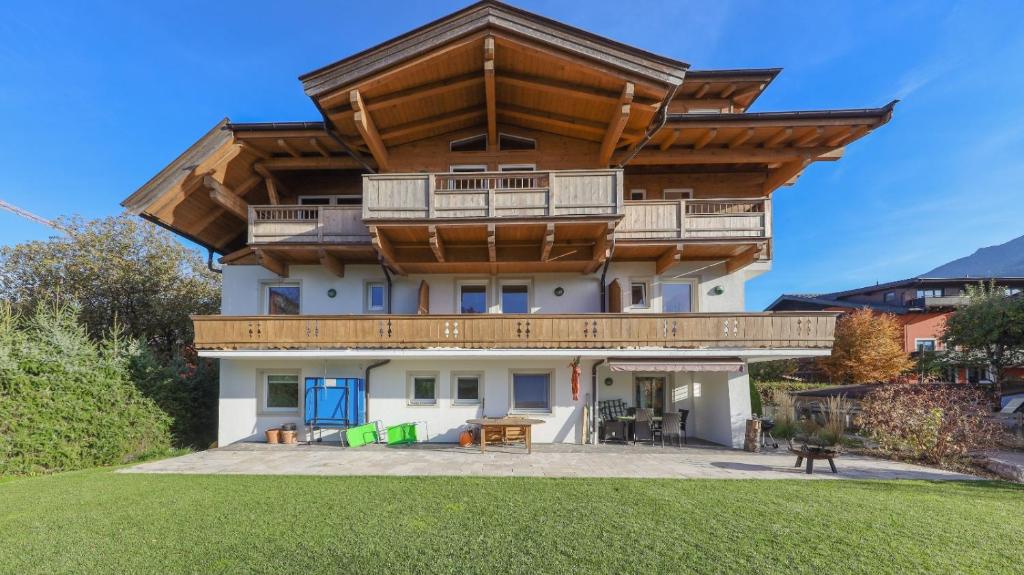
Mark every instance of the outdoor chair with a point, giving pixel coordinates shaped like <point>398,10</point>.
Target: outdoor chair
<point>671,425</point>
<point>643,427</point>
<point>683,414</point>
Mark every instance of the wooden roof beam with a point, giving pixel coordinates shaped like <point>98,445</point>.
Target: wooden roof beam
<point>284,145</point>
<point>617,124</point>
<point>670,138</point>
<point>368,130</point>
<point>332,163</point>
<point>331,262</point>
<point>385,250</point>
<point>702,91</point>
<point>319,147</point>
<point>705,138</point>
<point>727,90</point>
<point>426,90</point>
<point>741,138</point>
<point>778,137</point>
<point>743,259</point>
<point>669,258</point>
<point>270,262</point>
<point>436,243</point>
<point>745,155</point>
<point>847,136</point>
<point>580,91</point>
<point>604,247</point>
<point>810,138</point>
<point>227,199</point>
<point>273,184</point>
<point>432,122</point>
<point>549,242</point>
<point>490,95</point>
<point>783,174</point>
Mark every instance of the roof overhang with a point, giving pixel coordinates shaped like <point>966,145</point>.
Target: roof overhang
<point>710,364</point>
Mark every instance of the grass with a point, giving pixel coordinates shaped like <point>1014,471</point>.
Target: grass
<point>99,521</point>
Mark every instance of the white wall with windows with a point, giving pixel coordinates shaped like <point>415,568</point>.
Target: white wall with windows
<point>687,286</point>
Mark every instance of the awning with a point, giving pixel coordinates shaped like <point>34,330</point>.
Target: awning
<point>730,364</point>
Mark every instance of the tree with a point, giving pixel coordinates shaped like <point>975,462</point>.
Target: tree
<point>776,370</point>
<point>868,349</point>
<point>988,330</point>
<point>121,270</point>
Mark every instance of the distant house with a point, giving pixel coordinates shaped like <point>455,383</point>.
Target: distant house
<point>921,304</point>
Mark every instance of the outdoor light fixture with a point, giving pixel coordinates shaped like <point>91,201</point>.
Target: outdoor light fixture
<point>717,290</point>
<point>608,381</point>
<point>332,292</point>
<point>559,291</point>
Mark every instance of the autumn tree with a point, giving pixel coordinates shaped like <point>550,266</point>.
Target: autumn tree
<point>868,349</point>
<point>988,331</point>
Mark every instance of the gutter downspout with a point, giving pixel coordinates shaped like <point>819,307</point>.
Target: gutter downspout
<point>593,393</point>
<point>387,278</point>
<point>604,287</point>
<point>332,135</point>
<point>209,262</point>
<point>366,384</point>
<point>661,119</point>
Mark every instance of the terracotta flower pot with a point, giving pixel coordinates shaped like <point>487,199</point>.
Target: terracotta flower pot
<point>273,435</point>
<point>289,437</point>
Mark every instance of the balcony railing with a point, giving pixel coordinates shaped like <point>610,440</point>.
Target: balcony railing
<point>930,302</point>
<point>492,195</point>
<point>704,219</point>
<point>581,331</point>
<point>307,225</point>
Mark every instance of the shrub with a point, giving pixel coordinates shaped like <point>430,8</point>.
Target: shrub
<point>769,389</point>
<point>786,425</point>
<point>67,402</point>
<point>756,405</point>
<point>837,407</point>
<point>933,423</point>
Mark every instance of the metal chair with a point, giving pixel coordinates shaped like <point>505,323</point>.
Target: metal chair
<point>671,425</point>
<point>643,427</point>
<point>683,414</point>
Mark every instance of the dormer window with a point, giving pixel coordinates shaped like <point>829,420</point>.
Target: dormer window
<point>508,142</point>
<point>476,143</point>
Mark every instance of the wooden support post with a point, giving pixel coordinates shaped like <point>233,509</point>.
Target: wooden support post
<point>385,250</point>
<point>331,262</point>
<point>490,95</point>
<point>549,242</point>
<point>492,248</point>
<point>368,130</point>
<point>671,257</point>
<point>271,181</point>
<point>227,199</point>
<point>617,124</point>
<point>270,262</point>
<point>436,243</point>
<point>604,247</point>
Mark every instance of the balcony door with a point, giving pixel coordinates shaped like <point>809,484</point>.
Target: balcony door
<point>650,392</point>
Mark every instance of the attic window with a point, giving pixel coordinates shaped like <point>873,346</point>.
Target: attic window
<point>509,142</point>
<point>470,144</point>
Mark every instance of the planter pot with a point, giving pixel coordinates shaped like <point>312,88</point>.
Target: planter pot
<point>289,437</point>
<point>466,438</point>
<point>273,435</point>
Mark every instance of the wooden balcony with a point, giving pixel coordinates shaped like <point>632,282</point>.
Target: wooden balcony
<point>307,225</point>
<point>492,195</point>
<point>699,219</point>
<point>803,330</point>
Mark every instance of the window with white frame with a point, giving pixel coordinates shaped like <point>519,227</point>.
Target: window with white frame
<point>468,168</point>
<point>282,298</point>
<point>476,143</point>
<point>509,142</point>
<point>517,168</point>
<point>531,391</point>
<point>376,297</point>
<point>924,344</point>
<point>466,388</point>
<point>638,194</point>
<point>677,296</point>
<point>331,200</point>
<point>678,193</point>
<point>472,298</point>
<point>280,392</point>
<point>515,297</point>
<point>935,292</point>
<point>890,297</point>
<point>422,389</point>
<point>638,294</point>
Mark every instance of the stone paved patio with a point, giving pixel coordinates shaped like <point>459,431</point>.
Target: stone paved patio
<point>547,460</point>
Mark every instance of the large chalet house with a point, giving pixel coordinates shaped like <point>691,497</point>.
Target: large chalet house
<point>487,201</point>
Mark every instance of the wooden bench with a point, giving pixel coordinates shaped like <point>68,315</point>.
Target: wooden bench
<point>812,453</point>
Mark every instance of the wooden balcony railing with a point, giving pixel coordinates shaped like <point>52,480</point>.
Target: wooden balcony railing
<point>492,195</point>
<point>696,219</point>
<point>307,225</point>
<point>581,331</point>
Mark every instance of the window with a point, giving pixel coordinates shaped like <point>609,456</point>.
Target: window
<point>531,391</point>
<point>509,142</point>
<point>315,200</point>
<point>924,344</point>
<point>333,200</point>
<point>280,392</point>
<point>517,168</point>
<point>423,389</point>
<point>283,299</point>
<point>468,168</point>
<point>515,298</point>
<point>638,194</point>
<point>466,388</point>
<point>929,292</point>
<point>471,144</point>
<point>638,294</point>
<point>678,194</point>
<point>376,296</point>
<point>890,297</point>
<point>677,297</point>
<point>473,298</point>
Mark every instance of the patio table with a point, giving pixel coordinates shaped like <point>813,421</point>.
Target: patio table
<point>630,421</point>
<point>506,427</point>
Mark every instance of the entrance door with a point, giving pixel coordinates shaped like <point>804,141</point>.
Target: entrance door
<point>650,392</point>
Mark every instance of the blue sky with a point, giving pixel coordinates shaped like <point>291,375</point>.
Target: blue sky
<point>96,97</point>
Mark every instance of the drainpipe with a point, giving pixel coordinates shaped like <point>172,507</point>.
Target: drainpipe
<point>387,278</point>
<point>337,139</point>
<point>593,393</point>
<point>209,262</point>
<point>661,119</point>
<point>366,384</point>
<point>604,288</point>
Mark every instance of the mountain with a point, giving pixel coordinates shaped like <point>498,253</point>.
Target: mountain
<point>1004,260</point>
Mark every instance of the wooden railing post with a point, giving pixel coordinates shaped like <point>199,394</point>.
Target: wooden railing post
<point>490,197</point>
<point>431,196</point>
<point>767,217</point>
<point>251,223</point>
<point>552,193</point>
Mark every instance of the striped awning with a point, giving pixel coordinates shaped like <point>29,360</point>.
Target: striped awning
<point>730,364</point>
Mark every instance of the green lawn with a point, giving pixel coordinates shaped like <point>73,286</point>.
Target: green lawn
<point>98,521</point>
